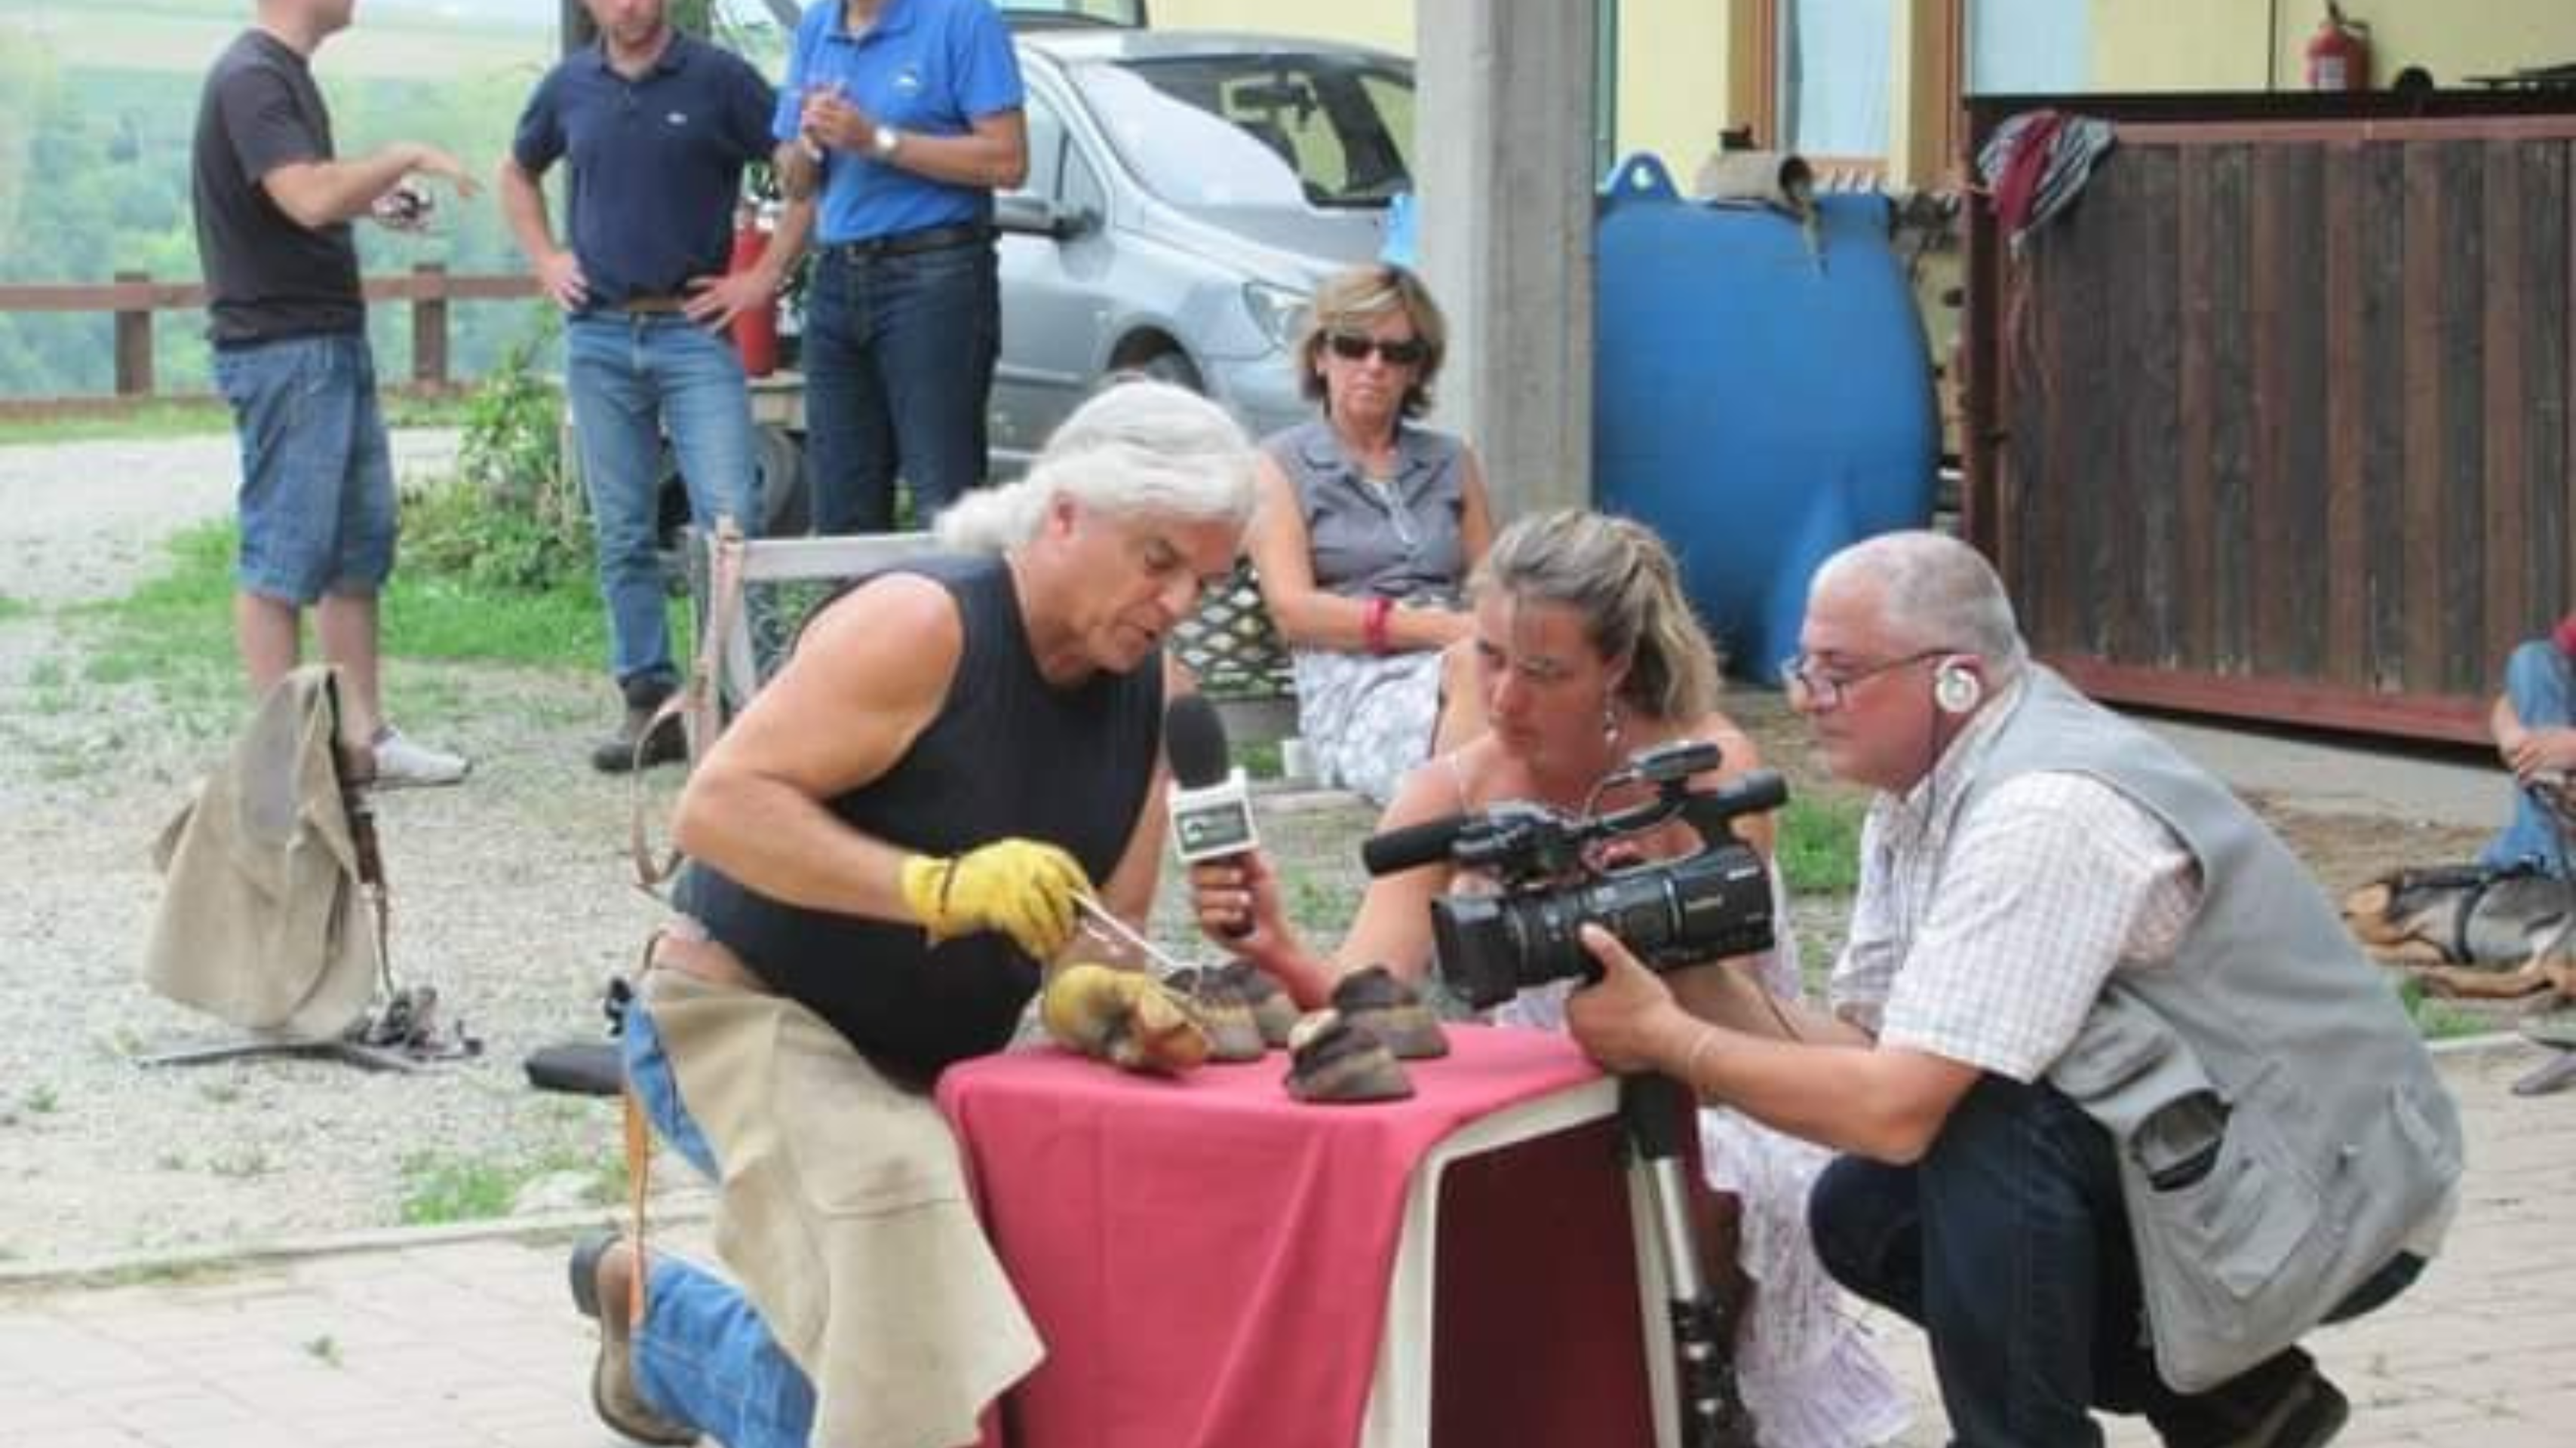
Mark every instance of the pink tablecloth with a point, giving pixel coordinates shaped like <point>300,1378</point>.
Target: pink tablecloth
<point>1206,1259</point>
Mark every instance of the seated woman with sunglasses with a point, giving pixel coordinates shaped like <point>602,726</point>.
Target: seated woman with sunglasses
<point>1368,526</point>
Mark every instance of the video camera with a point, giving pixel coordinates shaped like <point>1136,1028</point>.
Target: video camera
<point>1714,903</point>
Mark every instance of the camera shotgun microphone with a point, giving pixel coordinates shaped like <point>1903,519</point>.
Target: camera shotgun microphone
<point>1211,807</point>
<point>1409,847</point>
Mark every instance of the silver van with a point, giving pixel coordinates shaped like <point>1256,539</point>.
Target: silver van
<point>1186,192</point>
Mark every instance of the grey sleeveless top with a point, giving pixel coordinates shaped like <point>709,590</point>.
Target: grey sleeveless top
<point>1400,539</point>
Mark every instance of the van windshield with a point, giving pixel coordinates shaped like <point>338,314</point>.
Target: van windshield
<point>1267,129</point>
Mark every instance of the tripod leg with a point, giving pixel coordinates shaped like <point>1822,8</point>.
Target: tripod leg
<point>1652,1113</point>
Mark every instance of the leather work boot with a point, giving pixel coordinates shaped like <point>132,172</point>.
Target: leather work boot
<point>668,745</point>
<point>599,1288</point>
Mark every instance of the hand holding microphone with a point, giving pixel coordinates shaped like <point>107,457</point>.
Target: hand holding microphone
<point>1211,805</point>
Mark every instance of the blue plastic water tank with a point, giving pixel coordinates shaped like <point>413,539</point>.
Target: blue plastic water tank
<point>1758,403</point>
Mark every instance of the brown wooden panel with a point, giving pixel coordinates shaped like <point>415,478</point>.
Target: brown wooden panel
<point>2279,699</point>
<point>2383,423</point>
<point>2420,518</point>
<point>2463,441</point>
<point>2347,574</point>
<point>2231,562</point>
<point>2369,488</point>
<point>2043,443</point>
<point>2544,341</point>
<point>2197,404</point>
<point>2273,229</point>
<point>2090,488</point>
<point>2504,487</point>
<point>2143,557</point>
<point>2293,577</point>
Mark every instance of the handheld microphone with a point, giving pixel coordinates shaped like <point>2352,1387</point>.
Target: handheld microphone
<point>1409,847</point>
<point>1211,805</point>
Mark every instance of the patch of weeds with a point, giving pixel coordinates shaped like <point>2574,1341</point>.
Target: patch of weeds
<point>174,634</point>
<point>439,1189</point>
<point>1325,906</point>
<point>200,418</point>
<point>241,1162</point>
<point>161,1274</point>
<point>170,1161</point>
<point>1819,845</point>
<point>149,420</point>
<point>437,616</point>
<point>2437,1019</point>
<point>323,1349</point>
<point>14,608</point>
<point>41,1100</point>
<point>1260,758</point>
<point>222,1093</point>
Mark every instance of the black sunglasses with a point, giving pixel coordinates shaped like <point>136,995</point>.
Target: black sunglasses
<point>1351,347</point>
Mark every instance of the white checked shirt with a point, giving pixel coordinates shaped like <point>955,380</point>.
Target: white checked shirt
<point>1985,939</point>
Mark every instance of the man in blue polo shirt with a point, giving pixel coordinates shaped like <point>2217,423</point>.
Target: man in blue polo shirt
<point>905,115</point>
<point>658,126</point>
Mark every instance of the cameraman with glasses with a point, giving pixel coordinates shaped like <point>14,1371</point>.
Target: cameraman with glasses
<point>2124,1110</point>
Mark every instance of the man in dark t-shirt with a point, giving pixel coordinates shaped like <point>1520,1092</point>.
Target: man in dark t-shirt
<point>273,206</point>
<point>887,843</point>
<point>658,126</point>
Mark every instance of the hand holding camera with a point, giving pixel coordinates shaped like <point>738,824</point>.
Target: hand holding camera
<point>1707,905</point>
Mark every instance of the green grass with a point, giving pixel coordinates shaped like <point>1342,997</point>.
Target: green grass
<point>14,608</point>
<point>1819,845</point>
<point>193,418</point>
<point>439,1189</point>
<point>2437,1019</point>
<point>175,633</point>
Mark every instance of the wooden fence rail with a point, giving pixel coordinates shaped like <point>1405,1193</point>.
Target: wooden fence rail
<point>134,297</point>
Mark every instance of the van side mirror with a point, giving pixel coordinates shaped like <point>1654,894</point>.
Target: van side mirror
<point>1029,214</point>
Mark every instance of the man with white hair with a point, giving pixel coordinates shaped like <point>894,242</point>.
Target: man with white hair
<point>887,845</point>
<point>2124,1110</point>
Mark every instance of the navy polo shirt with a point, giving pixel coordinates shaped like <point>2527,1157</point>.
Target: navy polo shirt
<point>927,66</point>
<point>656,161</point>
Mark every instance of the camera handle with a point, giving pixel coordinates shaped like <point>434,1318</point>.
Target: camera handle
<point>1652,1112</point>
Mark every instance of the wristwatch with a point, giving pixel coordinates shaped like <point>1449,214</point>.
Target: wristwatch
<point>885,141</point>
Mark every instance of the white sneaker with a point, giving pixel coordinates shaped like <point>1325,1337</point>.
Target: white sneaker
<point>401,762</point>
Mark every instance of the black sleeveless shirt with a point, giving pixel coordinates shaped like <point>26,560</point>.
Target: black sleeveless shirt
<point>1007,754</point>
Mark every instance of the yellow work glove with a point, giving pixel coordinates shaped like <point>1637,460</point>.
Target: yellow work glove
<point>1021,888</point>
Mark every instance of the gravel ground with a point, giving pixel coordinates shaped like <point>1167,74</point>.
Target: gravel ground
<point>511,898</point>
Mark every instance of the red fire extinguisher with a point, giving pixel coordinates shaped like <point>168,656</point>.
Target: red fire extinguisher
<point>755,328</point>
<point>2339,53</point>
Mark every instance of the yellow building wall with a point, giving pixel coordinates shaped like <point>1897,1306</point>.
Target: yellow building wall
<point>1673,58</point>
<point>1677,87</point>
<point>1387,24</point>
<point>2224,44</point>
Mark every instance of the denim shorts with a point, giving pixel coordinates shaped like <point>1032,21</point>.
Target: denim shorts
<point>317,489</point>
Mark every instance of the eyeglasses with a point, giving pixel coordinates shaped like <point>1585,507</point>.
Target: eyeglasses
<point>1398,352</point>
<point>1810,687</point>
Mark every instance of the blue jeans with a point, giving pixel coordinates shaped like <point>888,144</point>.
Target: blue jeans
<point>898,357</point>
<point>631,376</point>
<point>2537,684</point>
<point>703,1356</point>
<point>317,488</point>
<point>2009,1244</point>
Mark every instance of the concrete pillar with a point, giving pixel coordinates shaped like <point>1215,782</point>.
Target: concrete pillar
<point>1503,153</point>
